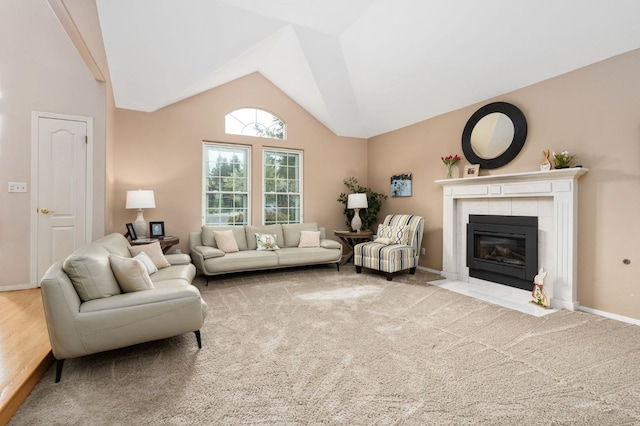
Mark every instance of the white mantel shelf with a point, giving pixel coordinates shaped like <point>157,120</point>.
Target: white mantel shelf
<point>569,173</point>
<point>560,186</point>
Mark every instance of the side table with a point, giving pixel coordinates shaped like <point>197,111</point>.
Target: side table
<point>165,242</point>
<point>350,239</point>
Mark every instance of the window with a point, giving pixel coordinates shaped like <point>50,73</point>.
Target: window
<point>282,180</point>
<point>254,122</point>
<point>226,184</point>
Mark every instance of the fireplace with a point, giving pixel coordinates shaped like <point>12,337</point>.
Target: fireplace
<point>503,249</point>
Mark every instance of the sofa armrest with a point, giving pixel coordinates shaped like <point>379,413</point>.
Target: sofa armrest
<point>208,252</point>
<point>178,259</point>
<point>330,244</point>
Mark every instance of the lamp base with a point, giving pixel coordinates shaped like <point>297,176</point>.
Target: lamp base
<point>140,225</point>
<point>356,222</point>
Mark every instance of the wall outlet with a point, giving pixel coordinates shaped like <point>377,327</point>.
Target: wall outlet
<point>423,251</point>
<point>17,187</point>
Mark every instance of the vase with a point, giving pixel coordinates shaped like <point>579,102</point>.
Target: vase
<point>449,171</point>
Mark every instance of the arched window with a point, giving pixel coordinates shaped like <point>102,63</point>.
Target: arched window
<point>254,122</point>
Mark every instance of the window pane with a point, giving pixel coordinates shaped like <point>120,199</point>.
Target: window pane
<point>226,184</point>
<point>254,122</point>
<point>282,182</point>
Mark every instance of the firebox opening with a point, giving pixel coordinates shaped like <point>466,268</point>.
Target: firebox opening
<point>503,249</point>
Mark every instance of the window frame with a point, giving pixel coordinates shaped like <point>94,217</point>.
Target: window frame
<point>206,147</point>
<point>300,180</point>
<point>268,132</point>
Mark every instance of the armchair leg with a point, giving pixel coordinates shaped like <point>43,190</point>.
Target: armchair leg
<point>198,339</point>
<point>389,276</point>
<point>412,271</point>
<point>358,269</point>
<point>59,364</point>
<point>338,266</point>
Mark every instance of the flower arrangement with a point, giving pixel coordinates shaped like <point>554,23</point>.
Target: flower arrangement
<point>563,159</point>
<point>449,161</point>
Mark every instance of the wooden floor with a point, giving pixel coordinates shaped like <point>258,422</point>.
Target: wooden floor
<point>25,352</point>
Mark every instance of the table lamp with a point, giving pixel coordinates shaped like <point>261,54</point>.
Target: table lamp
<point>357,202</point>
<point>140,199</point>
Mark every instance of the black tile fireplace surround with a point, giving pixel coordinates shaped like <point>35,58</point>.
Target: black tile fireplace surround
<point>503,249</point>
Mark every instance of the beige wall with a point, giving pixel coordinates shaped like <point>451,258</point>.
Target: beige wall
<point>163,151</point>
<point>40,70</point>
<point>593,112</point>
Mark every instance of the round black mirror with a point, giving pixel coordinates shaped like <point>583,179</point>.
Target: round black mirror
<point>494,135</point>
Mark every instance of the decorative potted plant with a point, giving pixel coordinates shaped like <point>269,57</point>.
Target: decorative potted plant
<point>563,159</point>
<point>374,201</point>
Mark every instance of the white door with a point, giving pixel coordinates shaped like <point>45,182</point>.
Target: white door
<point>61,191</point>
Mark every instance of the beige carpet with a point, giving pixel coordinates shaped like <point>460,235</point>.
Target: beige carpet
<point>316,346</point>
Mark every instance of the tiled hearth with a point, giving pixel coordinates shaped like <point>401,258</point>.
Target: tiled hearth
<point>551,196</point>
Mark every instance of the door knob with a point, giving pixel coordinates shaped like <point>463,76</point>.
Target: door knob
<point>46,211</point>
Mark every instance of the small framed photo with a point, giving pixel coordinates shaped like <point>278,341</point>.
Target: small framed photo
<point>401,185</point>
<point>131,232</point>
<point>156,229</point>
<point>471,170</point>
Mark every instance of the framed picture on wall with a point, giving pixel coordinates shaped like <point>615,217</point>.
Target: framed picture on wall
<point>156,229</point>
<point>401,185</point>
<point>131,232</point>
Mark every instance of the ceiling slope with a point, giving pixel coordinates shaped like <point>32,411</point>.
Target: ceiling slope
<point>362,67</point>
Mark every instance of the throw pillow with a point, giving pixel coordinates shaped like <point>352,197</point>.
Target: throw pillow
<point>130,273</point>
<point>266,242</point>
<point>383,240</point>
<point>309,239</point>
<point>226,241</point>
<point>154,251</point>
<point>147,262</point>
<point>397,234</point>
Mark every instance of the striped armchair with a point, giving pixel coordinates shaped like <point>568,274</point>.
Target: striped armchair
<point>405,234</point>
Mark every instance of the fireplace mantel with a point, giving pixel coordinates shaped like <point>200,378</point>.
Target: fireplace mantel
<point>560,185</point>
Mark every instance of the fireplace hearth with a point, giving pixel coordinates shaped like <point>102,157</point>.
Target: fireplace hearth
<point>503,249</point>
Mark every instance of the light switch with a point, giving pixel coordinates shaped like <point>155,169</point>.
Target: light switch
<point>17,187</point>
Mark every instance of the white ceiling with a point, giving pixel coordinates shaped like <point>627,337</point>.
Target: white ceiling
<point>361,67</point>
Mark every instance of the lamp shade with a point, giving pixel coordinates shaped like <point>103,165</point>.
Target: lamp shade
<point>357,201</point>
<point>140,199</point>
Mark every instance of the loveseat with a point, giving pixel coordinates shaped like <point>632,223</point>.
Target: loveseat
<point>87,311</point>
<point>297,245</point>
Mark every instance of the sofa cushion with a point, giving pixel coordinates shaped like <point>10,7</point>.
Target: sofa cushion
<point>90,272</point>
<point>131,273</point>
<point>226,241</point>
<point>291,232</point>
<point>238,232</point>
<point>251,231</point>
<point>246,260</point>
<point>293,256</point>
<point>154,251</point>
<point>146,261</point>
<point>267,242</point>
<point>309,239</point>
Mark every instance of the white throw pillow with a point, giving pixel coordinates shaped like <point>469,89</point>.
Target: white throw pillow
<point>397,234</point>
<point>309,239</point>
<point>147,262</point>
<point>226,241</point>
<point>154,251</point>
<point>267,242</point>
<point>130,273</point>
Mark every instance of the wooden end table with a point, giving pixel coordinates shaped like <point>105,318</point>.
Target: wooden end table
<point>165,242</point>
<point>350,239</point>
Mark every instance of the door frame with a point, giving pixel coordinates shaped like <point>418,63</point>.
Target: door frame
<point>35,117</point>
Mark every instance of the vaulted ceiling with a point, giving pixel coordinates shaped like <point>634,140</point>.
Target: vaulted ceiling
<point>361,67</point>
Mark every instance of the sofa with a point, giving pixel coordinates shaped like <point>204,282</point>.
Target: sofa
<point>297,245</point>
<point>87,311</point>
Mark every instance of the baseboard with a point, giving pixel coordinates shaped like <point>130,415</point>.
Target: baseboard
<point>609,315</point>
<point>433,271</point>
<point>16,287</point>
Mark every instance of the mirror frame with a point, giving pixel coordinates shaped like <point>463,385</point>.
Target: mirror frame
<point>519,135</point>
